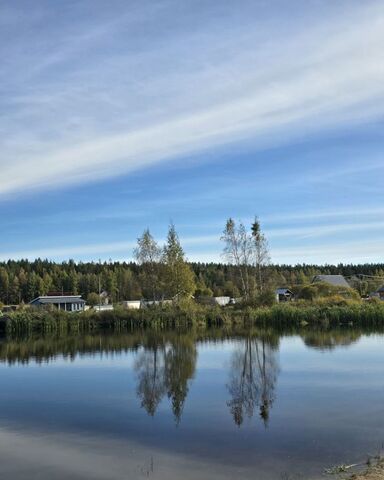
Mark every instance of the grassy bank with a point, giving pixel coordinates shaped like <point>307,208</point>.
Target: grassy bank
<point>189,314</point>
<point>372,469</point>
<point>375,472</point>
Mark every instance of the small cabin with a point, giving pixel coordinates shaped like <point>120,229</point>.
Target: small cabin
<point>68,303</point>
<point>222,301</point>
<point>284,295</point>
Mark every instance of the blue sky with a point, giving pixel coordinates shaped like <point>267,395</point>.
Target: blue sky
<point>121,115</point>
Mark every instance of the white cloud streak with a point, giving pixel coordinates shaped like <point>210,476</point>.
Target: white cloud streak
<point>209,247</point>
<point>329,253</point>
<point>76,119</point>
<point>316,231</point>
<point>101,250</point>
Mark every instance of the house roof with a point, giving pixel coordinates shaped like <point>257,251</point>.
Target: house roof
<point>335,280</point>
<point>283,291</point>
<point>53,299</point>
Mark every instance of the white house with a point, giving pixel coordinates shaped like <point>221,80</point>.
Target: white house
<point>103,308</point>
<point>132,304</point>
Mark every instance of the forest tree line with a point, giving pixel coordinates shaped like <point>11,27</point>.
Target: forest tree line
<point>23,280</point>
<point>163,272</point>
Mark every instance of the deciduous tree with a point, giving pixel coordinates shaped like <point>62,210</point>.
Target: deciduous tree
<point>148,255</point>
<point>179,278</point>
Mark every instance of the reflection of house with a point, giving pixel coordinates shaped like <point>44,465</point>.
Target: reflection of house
<point>335,280</point>
<point>284,295</point>
<point>69,303</point>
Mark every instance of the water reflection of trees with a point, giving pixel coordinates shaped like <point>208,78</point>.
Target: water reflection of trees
<point>330,339</point>
<point>150,373</point>
<point>44,348</point>
<point>166,368</point>
<point>252,378</point>
<point>166,360</point>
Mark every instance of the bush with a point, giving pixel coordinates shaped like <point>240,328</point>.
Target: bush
<point>93,299</point>
<point>325,290</point>
<point>334,300</point>
<point>375,300</point>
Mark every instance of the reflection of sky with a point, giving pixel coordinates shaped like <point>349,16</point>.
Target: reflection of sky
<point>329,406</point>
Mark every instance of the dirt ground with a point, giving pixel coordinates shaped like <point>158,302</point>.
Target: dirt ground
<point>374,473</point>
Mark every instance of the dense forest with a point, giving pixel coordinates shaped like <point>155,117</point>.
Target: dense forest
<point>23,280</point>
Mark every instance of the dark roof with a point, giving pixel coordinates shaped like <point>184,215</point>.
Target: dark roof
<point>380,290</point>
<point>283,291</point>
<point>335,280</point>
<point>55,299</point>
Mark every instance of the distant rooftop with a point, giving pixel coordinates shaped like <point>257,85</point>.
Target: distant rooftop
<point>335,280</point>
<point>283,291</point>
<point>54,299</point>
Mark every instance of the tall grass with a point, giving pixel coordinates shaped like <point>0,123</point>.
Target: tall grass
<point>318,315</point>
<point>364,314</point>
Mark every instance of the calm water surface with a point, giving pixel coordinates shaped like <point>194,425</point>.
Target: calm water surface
<point>189,405</point>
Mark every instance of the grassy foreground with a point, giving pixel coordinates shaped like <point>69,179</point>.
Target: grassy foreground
<point>190,314</point>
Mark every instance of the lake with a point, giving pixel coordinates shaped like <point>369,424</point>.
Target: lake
<point>192,405</point>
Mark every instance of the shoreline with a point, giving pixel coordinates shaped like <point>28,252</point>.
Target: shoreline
<point>373,472</point>
<point>186,315</point>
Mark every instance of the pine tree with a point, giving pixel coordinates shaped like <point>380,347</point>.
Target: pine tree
<point>260,254</point>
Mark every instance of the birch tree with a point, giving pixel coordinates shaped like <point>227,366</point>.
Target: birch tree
<point>249,253</point>
<point>148,255</point>
<point>238,251</point>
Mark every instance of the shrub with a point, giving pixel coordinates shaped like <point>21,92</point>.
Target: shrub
<point>325,290</point>
<point>93,299</point>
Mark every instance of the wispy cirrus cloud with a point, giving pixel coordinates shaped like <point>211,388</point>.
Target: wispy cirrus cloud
<point>104,250</point>
<point>295,244</point>
<point>329,253</point>
<point>97,108</point>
